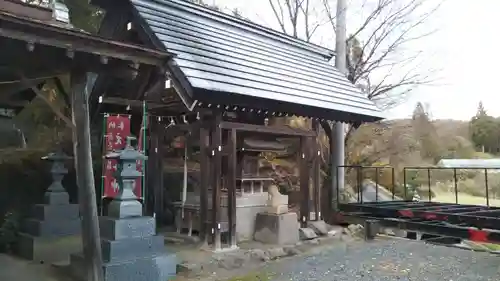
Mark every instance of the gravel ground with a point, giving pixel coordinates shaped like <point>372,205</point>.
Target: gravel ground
<point>388,260</point>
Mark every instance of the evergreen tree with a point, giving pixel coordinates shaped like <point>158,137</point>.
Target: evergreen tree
<point>484,130</point>
<point>425,134</point>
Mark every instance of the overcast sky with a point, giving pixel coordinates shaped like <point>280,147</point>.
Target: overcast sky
<point>464,51</point>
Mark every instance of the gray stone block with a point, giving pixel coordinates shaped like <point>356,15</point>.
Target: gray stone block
<point>48,250</point>
<point>276,229</point>
<point>161,267</point>
<point>114,229</point>
<point>130,248</point>
<point>56,198</point>
<point>56,212</point>
<point>307,234</point>
<point>54,228</point>
<point>320,227</point>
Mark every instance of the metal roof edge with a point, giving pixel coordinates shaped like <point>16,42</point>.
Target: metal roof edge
<point>249,26</point>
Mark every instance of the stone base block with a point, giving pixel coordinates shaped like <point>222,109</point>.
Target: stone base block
<point>48,250</point>
<point>56,228</point>
<point>56,212</point>
<point>56,198</point>
<point>130,248</point>
<point>162,267</point>
<point>115,229</point>
<point>276,229</point>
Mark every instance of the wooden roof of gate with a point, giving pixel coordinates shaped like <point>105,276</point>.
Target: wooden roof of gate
<point>55,49</point>
<point>229,60</point>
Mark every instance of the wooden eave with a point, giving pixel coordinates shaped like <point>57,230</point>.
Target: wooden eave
<point>59,36</point>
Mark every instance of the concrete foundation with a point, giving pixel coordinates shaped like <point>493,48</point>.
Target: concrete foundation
<point>276,229</point>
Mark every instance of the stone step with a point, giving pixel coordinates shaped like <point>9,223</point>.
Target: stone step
<point>48,250</point>
<point>56,228</point>
<point>161,267</point>
<point>55,212</point>
<point>116,229</point>
<point>130,248</point>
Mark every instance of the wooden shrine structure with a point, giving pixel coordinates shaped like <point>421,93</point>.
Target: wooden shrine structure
<point>213,77</point>
<point>227,77</point>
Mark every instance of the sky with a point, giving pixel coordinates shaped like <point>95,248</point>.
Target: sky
<point>462,55</point>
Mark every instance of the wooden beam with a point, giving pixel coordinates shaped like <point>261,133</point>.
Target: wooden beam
<point>85,176</point>
<point>316,161</point>
<point>52,106</point>
<point>231,186</point>
<point>132,103</point>
<point>42,34</point>
<point>272,130</point>
<point>152,185</point>
<point>205,183</point>
<point>216,186</point>
<point>161,151</point>
<point>23,9</point>
<point>304,181</point>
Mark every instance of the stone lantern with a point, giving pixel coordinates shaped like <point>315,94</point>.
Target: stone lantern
<point>58,171</point>
<point>125,204</point>
<point>131,250</point>
<point>52,233</point>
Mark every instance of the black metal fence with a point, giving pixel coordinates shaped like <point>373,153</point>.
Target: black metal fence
<point>355,176</point>
<point>405,184</point>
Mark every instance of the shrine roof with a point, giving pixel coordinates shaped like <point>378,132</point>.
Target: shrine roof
<point>226,58</point>
<point>55,34</point>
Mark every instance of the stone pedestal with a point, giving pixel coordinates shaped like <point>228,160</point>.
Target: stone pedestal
<point>281,229</point>
<point>131,249</point>
<point>53,230</point>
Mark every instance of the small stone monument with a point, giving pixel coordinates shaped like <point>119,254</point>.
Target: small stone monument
<point>53,231</point>
<point>277,202</point>
<point>276,225</point>
<point>131,249</point>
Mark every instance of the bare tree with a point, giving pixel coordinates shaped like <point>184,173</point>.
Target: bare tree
<point>296,16</point>
<point>379,60</point>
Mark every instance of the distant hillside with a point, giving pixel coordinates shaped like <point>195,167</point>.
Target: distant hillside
<point>402,142</point>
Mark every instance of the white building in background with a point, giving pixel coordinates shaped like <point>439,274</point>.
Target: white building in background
<point>493,165</point>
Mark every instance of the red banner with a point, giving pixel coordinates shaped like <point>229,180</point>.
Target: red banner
<point>115,138</point>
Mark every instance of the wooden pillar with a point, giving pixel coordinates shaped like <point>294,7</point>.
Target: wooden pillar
<point>231,185</point>
<point>204,183</point>
<point>216,186</point>
<point>85,175</point>
<point>304,180</point>
<point>316,154</point>
<point>153,183</point>
<point>161,188</point>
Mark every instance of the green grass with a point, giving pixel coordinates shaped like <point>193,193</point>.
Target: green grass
<point>449,197</point>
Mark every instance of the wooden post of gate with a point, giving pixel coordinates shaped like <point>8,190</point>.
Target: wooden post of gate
<point>304,180</point>
<point>205,183</point>
<point>85,176</point>
<point>316,158</point>
<point>216,186</point>
<point>231,185</point>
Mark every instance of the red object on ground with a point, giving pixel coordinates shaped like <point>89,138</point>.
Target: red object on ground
<point>478,235</point>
